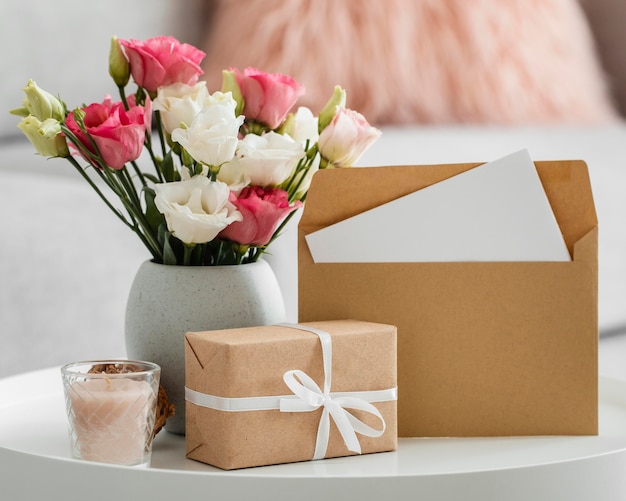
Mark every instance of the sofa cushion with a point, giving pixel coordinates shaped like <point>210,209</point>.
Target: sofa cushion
<point>422,61</point>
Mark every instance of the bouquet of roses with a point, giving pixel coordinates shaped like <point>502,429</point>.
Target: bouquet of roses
<point>227,169</point>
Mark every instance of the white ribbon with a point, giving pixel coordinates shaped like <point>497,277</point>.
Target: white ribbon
<point>307,397</point>
<point>272,403</point>
<point>311,398</point>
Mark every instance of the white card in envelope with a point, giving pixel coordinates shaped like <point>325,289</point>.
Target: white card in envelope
<point>494,212</point>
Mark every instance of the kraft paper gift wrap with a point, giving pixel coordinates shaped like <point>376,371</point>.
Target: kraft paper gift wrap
<point>241,387</point>
<point>484,348</point>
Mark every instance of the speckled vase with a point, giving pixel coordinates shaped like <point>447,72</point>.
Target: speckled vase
<point>165,302</point>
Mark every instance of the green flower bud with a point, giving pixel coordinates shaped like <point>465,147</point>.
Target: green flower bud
<point>79,116</point>
<point>40,104</point>
<point>45,136</point>
<point>119,67</point>
<point>337,100</point>
<point>229,84</point>
<point>288,126</point>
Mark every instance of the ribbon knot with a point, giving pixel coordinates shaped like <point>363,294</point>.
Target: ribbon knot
<point>310,397</point>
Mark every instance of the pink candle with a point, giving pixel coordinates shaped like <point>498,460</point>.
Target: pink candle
<point>111,417</point>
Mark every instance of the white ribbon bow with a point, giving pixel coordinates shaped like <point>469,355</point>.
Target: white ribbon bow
<point>311,398</point>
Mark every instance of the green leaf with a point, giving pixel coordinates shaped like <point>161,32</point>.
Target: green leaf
<point>154,217</point>
<point>152,178</point>
<point>196,255</point>
<point>167,167</point>
<point>169,256</point>
<point>140,96</point>
<point>163,236</point>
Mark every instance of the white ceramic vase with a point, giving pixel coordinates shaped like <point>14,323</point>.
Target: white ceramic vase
<point>165,302</point>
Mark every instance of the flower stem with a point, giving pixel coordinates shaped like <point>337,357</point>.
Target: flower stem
<point>155,160</point>
<point>159,122</point>
<point>131,200</point>
<point>187,250</point>
<point>139,174</point>
<point>98,191</point>
<point>123,96</point>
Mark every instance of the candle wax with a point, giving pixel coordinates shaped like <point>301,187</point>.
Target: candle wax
<point>111,419</point>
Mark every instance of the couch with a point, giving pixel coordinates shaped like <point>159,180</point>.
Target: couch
<point>66,264</point>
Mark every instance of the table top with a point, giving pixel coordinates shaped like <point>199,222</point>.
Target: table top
<point>34,444</point>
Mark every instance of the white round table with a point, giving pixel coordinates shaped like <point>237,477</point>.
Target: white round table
<point>36,463</point>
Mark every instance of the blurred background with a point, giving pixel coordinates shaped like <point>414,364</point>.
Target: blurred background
<point>446,80</point>
<point>402,61</point>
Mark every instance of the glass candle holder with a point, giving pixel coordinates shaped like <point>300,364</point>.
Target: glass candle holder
<point>111,408</point>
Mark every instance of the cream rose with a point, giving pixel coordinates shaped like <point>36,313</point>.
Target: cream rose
<point>196,209</point>
<point>180,103</point>
<point>212,136</point>
<point>233,175</point>
<point>302,126</point>
<point>270,159</point>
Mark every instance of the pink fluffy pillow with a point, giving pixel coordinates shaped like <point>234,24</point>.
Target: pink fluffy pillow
<point>422,61</point>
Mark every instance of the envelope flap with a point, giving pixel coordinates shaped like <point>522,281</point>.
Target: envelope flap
<point>337,194</point>
<point>586,248</point>
<point>568,189</point>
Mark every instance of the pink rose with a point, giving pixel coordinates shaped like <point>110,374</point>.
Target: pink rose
<point>161,61</point>
<point>268,97</point>
<point>346,138</point>
<point>119,134</point>
<point>262,210</point>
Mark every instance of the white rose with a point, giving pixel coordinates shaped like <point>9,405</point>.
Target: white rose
<point>180,103</point>
<point>270,159</point>
<point>212,137</point>
<point>196,209</point>
<point>302,126</point>
<point>233,175</point>
<point>224,99</point>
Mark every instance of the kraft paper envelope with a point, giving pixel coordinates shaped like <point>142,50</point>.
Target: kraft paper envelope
<point>495,212</point>
<point>484,348</point>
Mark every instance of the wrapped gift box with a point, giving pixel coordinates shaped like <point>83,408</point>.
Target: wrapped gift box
<point>282,393</point>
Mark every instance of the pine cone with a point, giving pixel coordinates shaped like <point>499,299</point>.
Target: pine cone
<point>164,410</point>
